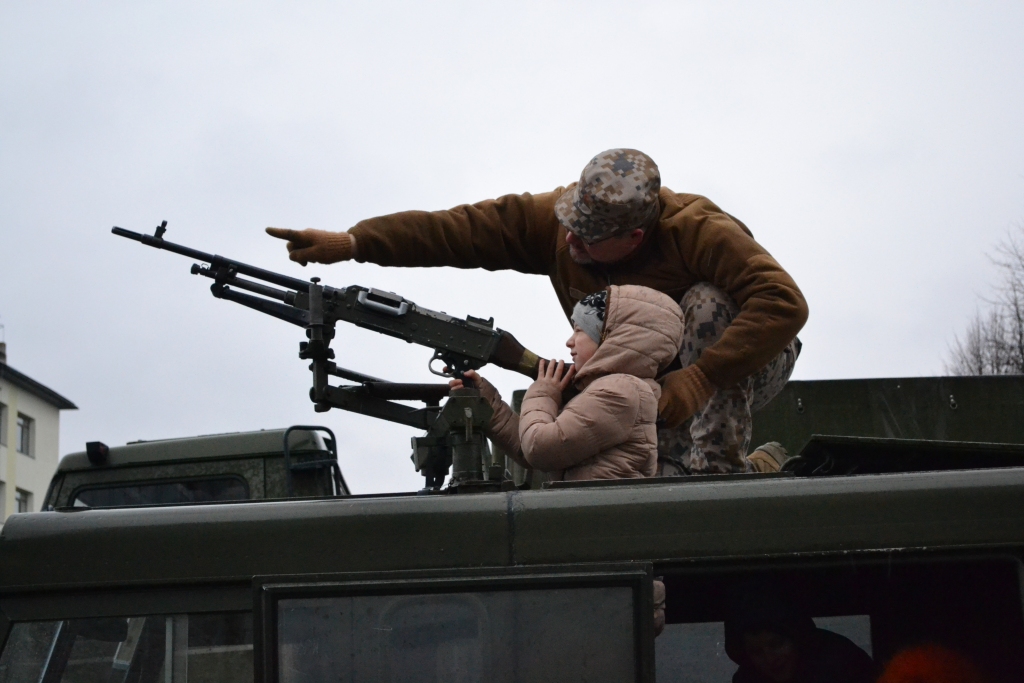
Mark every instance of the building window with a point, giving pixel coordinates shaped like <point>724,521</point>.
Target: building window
<point>3,425</point>
<point>23,501</point>
<point>25,424</point>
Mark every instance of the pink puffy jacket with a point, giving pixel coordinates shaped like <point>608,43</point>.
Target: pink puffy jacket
<point>607,431</point>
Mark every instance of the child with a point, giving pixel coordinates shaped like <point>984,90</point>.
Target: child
<point>623,337</point>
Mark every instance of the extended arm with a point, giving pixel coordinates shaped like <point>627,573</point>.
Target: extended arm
<point>514,232</point>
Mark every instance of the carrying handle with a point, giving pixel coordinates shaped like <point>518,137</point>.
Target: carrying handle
<point>363,299</point>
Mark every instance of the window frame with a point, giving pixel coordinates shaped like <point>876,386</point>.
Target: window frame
<point>3,424</point>
<point>162,598</point>
<point>154,482</point>
<point>855,562</point>
<point>25,427</point>
<point>251,469</point>
<point>182,639</point>
<point>269,590</point>
<point>21,496</point>
<point>5,629</point>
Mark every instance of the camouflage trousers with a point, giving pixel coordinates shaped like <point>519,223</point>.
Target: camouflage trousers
<point>717,438</point>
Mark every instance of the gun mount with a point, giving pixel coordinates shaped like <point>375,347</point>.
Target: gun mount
<point>454,433</point>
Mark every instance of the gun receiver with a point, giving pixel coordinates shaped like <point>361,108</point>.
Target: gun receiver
<point>460,345</point>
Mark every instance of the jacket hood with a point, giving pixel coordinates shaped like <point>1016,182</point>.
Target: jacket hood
<point>760,607</point>
<point>643,330</point>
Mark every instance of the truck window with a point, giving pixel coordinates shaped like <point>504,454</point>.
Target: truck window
<point>513,636</point>
<point>146,649</point>
<point>163,493</point>
<point>695,653</point>
<point>853,618</point>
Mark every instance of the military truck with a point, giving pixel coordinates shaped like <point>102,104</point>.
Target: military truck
<point>890,541</point>
<point>885,530</point>
<point>273,463</point>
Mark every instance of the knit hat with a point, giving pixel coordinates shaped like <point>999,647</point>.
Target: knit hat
<point>617,193</point>
<point>588,314</point>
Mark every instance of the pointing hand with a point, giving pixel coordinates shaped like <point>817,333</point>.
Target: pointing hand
<point>317,246</point>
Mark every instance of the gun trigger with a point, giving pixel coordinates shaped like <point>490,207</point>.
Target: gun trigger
<point>430,366</point>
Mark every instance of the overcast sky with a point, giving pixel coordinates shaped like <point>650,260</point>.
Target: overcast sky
<point>876,149</point>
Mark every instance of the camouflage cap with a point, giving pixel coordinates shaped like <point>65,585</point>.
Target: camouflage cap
<point>617,192</point>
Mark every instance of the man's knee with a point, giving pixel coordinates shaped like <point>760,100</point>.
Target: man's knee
<point>707,312</point>
<point>708,305</point>
<point>773,377</point>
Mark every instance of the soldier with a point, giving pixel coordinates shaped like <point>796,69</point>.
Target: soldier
<point>617,225</point>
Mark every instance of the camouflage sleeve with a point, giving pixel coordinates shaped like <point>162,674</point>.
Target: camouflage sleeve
<point>772,308</point>
<point>514,232</point>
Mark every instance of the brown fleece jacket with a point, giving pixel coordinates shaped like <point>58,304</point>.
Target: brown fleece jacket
<point>693,241</point>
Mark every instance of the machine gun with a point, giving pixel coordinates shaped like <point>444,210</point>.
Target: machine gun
<point>454,435</point>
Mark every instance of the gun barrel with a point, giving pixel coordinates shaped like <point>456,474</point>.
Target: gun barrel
<point>160,243</point>
<point>214,260</point>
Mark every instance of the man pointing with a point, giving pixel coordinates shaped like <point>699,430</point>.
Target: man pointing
<point>618,226</point>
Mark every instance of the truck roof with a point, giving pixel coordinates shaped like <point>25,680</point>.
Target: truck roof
<point>667,521</point>
<point>208,447</point>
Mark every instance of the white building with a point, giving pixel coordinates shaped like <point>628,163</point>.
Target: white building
<point>29,432</point>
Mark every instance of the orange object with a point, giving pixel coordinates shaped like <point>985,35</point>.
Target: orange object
<point>930,664</point>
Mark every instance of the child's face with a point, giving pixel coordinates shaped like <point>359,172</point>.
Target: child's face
<point>581,347</point>
<point>773,654</point>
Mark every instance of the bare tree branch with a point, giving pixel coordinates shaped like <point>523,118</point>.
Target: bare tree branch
<point>994,341</point>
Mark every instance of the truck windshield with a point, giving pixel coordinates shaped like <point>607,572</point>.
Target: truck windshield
<point>163,493</point>
<point>513,636</point>
<point>150,649</point>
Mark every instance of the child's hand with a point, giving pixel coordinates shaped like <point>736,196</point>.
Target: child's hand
<point>474,380</point>
<point>487,390</point>
<point>556,374</point>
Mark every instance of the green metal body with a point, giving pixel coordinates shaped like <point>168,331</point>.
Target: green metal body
<point>695,532</point>
<point>983,409</point>
<point>255,459</point>
<point>921,540</point>
<point>668,521</point>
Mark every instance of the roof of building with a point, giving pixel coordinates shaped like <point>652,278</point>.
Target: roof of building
<point>23,381</point>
